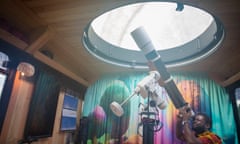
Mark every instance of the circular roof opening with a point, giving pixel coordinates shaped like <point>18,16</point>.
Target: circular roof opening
<point>181,33</point>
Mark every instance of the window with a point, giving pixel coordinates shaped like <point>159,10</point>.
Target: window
<point>69,113</point>
<point>3,78</point>
<point>181,33</point>
<point>4,93</point>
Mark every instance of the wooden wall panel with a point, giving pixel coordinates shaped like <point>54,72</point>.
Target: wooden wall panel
<point>14,124</point>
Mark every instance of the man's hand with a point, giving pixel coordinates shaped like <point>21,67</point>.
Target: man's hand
<point>185,113</point>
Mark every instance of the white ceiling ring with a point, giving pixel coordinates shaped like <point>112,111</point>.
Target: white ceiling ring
<point>180,37</point>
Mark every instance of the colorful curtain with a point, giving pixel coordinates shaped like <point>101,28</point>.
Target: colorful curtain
<point>104,127</point>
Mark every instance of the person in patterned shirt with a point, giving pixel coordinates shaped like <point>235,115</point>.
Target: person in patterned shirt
<point>195,130</point>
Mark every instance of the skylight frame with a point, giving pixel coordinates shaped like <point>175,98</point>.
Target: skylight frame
<point>195,50</point>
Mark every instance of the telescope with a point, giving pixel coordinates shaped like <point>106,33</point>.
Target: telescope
<point>145,44</point>
<point>146,85</point>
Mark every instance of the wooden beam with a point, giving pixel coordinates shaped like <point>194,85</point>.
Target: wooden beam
<point>12,39</point>
<point>43,37</point>
<point>32,17</point>
<point>231,80</point>
<point>60,68</point>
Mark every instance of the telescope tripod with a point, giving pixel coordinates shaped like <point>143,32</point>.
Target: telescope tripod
<point>150,123</point>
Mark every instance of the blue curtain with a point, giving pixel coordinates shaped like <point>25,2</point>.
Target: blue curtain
<point>203,94</point>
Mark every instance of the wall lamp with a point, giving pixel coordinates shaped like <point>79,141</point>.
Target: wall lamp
<point>26,69</point>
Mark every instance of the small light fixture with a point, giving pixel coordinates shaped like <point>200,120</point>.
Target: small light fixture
<point>180,6</point>
<point>26,69</point>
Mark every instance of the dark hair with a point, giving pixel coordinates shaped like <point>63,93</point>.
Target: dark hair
<point>207,119</point>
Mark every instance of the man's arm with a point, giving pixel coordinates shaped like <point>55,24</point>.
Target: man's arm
<point>188,134</point>
<point>179,129</point>
<point>184,131</point>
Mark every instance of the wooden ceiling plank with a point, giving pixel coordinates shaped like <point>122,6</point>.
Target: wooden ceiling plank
<point>231,80</point>
<point>31,16</point>
<point>44,37</point>
<point>68,18</point>
<point>12,39</point>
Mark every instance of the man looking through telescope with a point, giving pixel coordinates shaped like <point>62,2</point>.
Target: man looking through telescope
<point>199,132</point>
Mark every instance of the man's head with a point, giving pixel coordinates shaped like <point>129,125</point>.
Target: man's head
<point>201,123</point>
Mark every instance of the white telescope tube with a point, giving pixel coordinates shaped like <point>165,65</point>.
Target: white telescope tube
<point>145,44</point>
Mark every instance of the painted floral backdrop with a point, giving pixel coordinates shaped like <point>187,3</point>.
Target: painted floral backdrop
<point>203,94</point>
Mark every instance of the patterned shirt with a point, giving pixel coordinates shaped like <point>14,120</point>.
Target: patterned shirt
<point>209,138</point>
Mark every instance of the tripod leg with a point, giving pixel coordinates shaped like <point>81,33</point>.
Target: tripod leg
<point>148,133</point>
